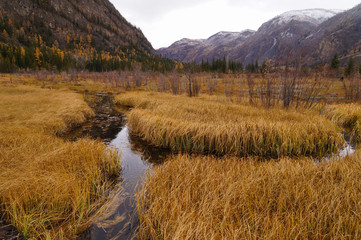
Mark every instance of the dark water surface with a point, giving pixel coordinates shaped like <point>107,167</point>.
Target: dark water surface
<point>118,217</point>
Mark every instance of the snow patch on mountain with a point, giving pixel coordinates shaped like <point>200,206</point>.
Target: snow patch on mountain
<point>314,16</point>
<point>225,36</point>
<point>287,34</point>
<point>187,41</point>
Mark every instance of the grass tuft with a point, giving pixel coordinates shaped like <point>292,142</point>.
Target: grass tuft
<point>215,125</point>
<point>231,198</point>
<point>347,116</point>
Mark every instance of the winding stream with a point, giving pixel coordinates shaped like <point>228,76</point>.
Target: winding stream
<point>117,218</point>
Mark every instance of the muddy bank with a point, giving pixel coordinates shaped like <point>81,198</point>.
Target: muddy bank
<point>8,231</point>
<point>106,123</point>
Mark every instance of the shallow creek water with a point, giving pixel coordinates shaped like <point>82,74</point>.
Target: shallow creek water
<point>117,219</point>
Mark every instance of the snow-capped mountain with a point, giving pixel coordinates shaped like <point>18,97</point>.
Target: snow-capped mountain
<point>315,16</point>
<point>300,33</point>
<point>277,38</point>
<point>188,50</point>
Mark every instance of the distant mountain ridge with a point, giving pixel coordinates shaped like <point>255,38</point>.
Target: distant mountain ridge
<point>189,50</point>
<point>312,34</point>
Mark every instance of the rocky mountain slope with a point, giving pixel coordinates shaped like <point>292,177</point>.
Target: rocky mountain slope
<point>314,35</point>
<point>340,34</point>
<point>57,19</point>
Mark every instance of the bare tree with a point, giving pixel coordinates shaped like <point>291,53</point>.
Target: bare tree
<point>137,75</point>
<point>251,85</point>
<point>212,83</point>
<point>193,85</point>
<point>162,87</point>
<point>175,83</point>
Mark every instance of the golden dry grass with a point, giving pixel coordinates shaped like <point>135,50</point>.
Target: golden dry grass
<point>214,125</point>
<point>347,116</point>
<point>48,187</point>
<point>230,198</point>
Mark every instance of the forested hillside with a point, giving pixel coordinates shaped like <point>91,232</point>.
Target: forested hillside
<point>84,34</point>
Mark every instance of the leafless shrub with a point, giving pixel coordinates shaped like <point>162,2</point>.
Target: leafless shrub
<point>64,77</point>
<point>212,83</point>
<point>193,85</point>
<point>251,85</point>
<point>312,90</point>
<point>267,88</point>
<point>175,83</point>
<point>162,86</point>
<point>137,75</point>
<point>351,85</point>
<point>42,76</point>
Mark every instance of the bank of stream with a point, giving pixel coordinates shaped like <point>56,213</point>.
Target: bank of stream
<point>117,219</point>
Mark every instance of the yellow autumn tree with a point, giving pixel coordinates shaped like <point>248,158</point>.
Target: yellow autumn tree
<point>89,38</point>
<point>61,54</point>
<point>21,31</point>
<point>180,66</point>
<point>5,33</point>
<point>22,52</point>
<point>38,56</point>
<point>67,39</point>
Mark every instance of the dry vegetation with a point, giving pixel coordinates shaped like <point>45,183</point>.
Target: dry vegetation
<point>347,116</point>
<point>230,198</point>
<point>49,187</point>
<point>215,125</point>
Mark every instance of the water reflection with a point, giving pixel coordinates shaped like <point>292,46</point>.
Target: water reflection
<point>119,218</point>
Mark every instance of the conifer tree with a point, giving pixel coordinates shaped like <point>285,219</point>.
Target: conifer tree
<point>335,62</point>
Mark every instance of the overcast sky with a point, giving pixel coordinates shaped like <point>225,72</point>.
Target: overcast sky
<point>166,21</point>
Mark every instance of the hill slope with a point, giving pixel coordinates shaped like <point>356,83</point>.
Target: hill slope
<point>67,33</point>
<point>340,34</point>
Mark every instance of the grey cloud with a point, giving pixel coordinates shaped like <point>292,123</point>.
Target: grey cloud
<point>285,5</point>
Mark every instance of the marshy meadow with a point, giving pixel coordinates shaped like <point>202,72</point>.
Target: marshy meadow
<point>222,156</point>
